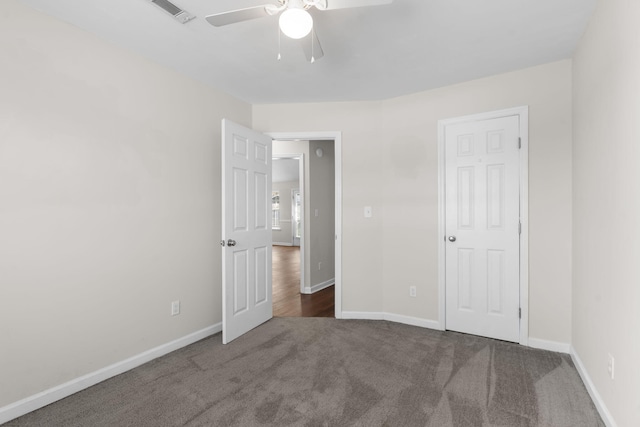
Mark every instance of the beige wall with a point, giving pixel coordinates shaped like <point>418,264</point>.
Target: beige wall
<point>390,163</point>
<point>606,199</point>
<point>109,203</point>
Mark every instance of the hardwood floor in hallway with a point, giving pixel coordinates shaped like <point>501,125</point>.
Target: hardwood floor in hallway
<point>287,299</point>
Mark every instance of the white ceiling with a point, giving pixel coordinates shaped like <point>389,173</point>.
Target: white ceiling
<point>371,53</point>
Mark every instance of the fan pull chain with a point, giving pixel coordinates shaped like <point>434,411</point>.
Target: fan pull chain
<point>313,36</point>
<point>279,50</point>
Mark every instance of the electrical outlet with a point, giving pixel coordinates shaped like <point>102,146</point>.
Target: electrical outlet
<point>412,291</point>
<point>368,212</point>
<point>320,265</point>
<point>175,308</point>
<point>611,366</point>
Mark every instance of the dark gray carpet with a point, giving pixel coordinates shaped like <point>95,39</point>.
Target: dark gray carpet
<point>328,372</point>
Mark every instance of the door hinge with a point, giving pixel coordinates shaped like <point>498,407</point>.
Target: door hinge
<point>519,227</point>
<point>519,313</point>
<point>519,143</point>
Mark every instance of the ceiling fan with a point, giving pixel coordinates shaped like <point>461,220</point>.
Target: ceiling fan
<point>295,21</point>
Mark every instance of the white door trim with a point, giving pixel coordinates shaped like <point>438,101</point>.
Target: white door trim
<point>337,138</point>
<point>523,114</point>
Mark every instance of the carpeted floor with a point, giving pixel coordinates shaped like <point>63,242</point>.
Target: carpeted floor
<point>328,372</point>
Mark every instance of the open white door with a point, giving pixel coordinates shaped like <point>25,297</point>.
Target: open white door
<point>246,230</point>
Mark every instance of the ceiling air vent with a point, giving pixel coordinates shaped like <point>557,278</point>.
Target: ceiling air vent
<point>180,15</point>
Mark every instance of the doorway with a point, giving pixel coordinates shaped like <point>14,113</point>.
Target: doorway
<point>319,198</point>
<point>483,230</point>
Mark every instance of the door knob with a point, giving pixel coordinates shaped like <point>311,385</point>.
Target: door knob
<point>223,243</point>
<point>452,238</point>
<point>231,242</point>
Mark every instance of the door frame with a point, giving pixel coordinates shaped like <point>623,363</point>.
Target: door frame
<point>336,137</point>
<point>301,184</point>
<point>523,114</point>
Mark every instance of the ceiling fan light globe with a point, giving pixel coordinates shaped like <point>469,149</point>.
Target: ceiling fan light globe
<point>295,23</point>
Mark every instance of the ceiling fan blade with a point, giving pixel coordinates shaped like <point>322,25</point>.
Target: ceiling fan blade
<point>311,46</point>
<point>239,15</point>
<point>344,4</point>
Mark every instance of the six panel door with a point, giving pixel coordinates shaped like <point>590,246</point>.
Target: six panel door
<point>246,230</point>
<point>482,228</point>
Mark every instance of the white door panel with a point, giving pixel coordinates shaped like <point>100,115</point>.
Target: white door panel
<point>482,228</point>
<point>246,230</point>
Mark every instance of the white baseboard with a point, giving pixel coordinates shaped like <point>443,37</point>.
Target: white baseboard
<point>320,286</point>
<point>44,398</point>
<point>362,315</point>
<point>433,324</point>
<point>591,389</point>
<point>398,318</point>
<point>414,321</point>
<point>281,244</point>
<point>558,347</point>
